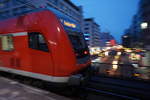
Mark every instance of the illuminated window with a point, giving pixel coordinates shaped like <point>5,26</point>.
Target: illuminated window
<point>6,42</point>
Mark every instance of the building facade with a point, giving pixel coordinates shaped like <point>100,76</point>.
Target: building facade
<point>10,8</point>
<point>131,36</point>
<point>139,31</point>
<point>91,32</point>
<point>144,12</point>
<point>106,39</point>
<point>127,38</point>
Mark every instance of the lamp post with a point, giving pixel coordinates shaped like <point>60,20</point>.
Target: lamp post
<point>145,30</point>
<point>126,39</point>
<point>145,36</point>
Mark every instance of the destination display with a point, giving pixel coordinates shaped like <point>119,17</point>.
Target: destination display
<point>68,24</point>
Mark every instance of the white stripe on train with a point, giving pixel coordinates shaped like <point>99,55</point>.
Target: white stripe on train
<point>31,74</point>
<point>15,34</point>
<point>36,75</point>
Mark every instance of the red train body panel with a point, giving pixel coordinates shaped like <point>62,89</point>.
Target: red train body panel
<point>37,45</point>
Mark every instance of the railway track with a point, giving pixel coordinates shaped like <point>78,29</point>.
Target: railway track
<point>108,88</point>
<point>121,88</point>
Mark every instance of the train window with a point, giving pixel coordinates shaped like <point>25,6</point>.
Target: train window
<point>6,42</point>
<point>76,41</point>
<point>37,41</point>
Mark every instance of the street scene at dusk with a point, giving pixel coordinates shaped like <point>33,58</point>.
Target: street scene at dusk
<point>74,49</point>
<point>123,64</point>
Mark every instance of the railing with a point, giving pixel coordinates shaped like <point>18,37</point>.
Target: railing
<point>27,3</point>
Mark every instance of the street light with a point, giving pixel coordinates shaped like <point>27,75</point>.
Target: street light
<point>144,25</point>
<point>125,36</point>
<point>145,30</point>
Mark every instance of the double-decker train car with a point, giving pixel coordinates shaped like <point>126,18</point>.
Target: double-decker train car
<point>43,44</point>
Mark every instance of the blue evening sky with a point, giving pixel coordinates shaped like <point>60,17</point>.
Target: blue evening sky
<point>112,15</point>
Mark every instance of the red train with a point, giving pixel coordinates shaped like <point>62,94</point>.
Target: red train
<point>43,44</point>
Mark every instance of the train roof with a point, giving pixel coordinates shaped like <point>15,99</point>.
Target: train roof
<point>71,23</point>
<point>64,17</point>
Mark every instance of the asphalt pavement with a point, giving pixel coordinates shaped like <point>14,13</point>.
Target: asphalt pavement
<point>12,90</point>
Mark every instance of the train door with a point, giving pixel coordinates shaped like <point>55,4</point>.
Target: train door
<point>40,54</point>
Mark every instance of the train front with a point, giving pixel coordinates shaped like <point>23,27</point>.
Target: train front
<point>80,52</point>
<point>73,53</point>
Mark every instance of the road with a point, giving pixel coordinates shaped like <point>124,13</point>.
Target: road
<point>121,66</point>
<point>12,90</point>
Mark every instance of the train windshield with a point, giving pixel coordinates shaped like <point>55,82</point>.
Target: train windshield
<point>77,40</point>
<point>79,44</point>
